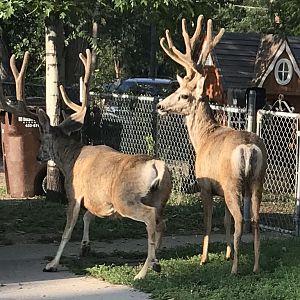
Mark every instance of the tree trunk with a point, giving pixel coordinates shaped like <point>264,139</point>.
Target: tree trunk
<point>4,59</point>
<point>153,46</point>
<point>54,47</point>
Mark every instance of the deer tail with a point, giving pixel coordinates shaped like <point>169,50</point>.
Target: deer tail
<point>247,161</point>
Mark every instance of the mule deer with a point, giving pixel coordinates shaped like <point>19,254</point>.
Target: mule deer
<point>104,181</point>
<point>229,163</point>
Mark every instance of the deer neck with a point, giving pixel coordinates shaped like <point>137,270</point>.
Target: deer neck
<point>64,153</point>
<point>200,123</point>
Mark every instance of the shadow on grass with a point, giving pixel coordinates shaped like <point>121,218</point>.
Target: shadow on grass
<point>45,221</point>
<point>183,278</point>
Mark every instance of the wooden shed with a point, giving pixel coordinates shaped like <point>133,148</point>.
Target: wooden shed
<point>267,63</point>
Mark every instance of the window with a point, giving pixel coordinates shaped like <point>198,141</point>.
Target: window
<point>283,71</point>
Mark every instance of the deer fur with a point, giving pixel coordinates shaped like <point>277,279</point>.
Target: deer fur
<point>229,163</point>
<point>102,180</point>
<point>107,182</point>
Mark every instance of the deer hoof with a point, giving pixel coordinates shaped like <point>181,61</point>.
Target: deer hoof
<point>52,269</point>
<point>156,266</point>
<point>85,249</point>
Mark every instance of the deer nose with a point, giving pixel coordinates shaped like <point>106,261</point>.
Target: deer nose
<point>158,106</point>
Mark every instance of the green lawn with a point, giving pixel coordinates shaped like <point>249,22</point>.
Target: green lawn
<point>182,278</point>
<point>45,221</point>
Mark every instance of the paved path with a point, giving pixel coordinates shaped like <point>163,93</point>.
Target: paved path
<point>21,275</point>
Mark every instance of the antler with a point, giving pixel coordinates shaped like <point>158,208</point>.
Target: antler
<point>20,109</point>
<point>75,121</point>
<point>206,43</point>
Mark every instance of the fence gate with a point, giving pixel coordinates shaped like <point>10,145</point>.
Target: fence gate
<point>279,131</point>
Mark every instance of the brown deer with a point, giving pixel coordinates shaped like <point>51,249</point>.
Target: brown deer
<point>229,163</point>
<point>104,181</point>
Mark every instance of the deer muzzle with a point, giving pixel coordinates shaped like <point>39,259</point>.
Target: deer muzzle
<point>161,109</point>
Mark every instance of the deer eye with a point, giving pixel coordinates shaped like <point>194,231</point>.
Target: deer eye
<point>184,96</point>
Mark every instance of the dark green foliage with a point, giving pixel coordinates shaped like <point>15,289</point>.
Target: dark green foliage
<point>124,28</point>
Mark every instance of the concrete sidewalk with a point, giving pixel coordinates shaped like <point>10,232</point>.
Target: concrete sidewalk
<point>21,275</point>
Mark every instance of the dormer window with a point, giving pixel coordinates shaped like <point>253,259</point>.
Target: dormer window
<point>283,71</point>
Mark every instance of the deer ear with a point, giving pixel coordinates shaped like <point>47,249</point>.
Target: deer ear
<point>200,88</point>
<point>44,120</point>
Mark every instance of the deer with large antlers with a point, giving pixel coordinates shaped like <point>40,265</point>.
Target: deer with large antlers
<point>104,181</point>
<point>229,163</point>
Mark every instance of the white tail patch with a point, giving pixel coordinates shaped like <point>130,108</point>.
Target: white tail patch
<point>152,175</point>
<point>245,159</point>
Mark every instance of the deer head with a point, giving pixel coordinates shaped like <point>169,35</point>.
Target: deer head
<point>192,87</point>
<point>72,123</point>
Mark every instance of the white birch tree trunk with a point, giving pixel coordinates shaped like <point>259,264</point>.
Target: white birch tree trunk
<point>54,36</point>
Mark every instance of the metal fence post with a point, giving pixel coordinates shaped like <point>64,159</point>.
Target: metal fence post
<point>297,208</point>
<point>251,128</point>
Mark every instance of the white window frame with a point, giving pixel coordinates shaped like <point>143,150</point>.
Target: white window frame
<point>289,71</point>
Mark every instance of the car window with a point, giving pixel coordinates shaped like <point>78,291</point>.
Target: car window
<point>125,86</point>
<point>144,88</point>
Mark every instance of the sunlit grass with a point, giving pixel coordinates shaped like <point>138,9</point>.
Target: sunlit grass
<point>182,277</point>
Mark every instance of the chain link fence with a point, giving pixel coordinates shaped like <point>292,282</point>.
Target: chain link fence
<point>130,124</point>
<point>279,133</point>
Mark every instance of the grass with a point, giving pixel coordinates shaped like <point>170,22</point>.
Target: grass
<point>3,192</point>
<point>45,221</point>
<point>182,278</point>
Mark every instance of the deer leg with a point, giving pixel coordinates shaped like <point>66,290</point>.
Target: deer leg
<point>147,214</point>
<point>160,222</point>
<point>85,243</point>
<point>207,201</point>
<point>227,225</point>
<point>255,201</point>
<point>232,202</point>
<point>160,229</point>
<point>72,216</point>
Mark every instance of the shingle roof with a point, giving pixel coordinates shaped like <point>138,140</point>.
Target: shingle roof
<point>294,43</point>
<point>242,58</point>
<point>235,57</point>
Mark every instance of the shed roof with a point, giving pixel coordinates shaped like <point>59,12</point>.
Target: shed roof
<point>243,58</point>
<point>235,57</point>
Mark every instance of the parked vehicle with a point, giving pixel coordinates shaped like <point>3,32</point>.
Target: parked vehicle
<point>146,86</point>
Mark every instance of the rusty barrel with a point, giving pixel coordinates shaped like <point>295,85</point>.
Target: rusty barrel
<point>20,145</point>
